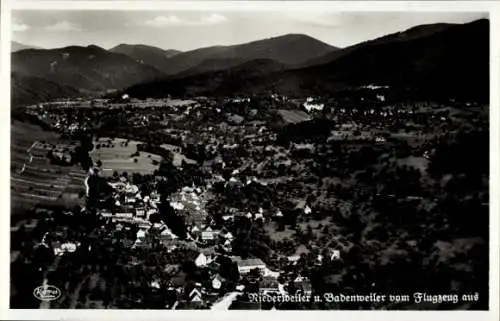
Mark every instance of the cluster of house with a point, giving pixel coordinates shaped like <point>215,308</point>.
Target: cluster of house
<point>279,98</point>
<point>190,199</point>
<point>131,204</point>
<point>310,105</point>
<point>137,209</point>
<point>196,294</point>
<point>356,132</point>
<point>59,248</point>
<point>59,122</point>
<point>208,236</point>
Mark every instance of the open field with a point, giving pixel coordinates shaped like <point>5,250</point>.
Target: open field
<point>116,155</point>
<point>293,116</point>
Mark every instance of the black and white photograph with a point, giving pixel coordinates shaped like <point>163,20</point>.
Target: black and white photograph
<point>249,159</point>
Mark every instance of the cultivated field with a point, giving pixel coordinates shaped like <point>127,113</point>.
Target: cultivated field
<point>34,181</point>
<point>294,116</point>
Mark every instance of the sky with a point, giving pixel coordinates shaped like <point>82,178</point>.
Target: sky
<point>187,30</point>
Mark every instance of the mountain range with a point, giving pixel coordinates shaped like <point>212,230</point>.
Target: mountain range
<point>447,59</point>
<point>435,60</point>
<point>291,49</point>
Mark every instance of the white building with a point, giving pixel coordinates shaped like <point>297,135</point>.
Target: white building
<point>201,260</point>
<point>335,255</point>
<point>208,234</point>
<point>141,234</point>
<point>124,215</point>
<point>216,282</point>
<point>60,249</point>
<point>247,265</point>
<point>154,284</point>
<point>177,205</point>
<point>311,106</point>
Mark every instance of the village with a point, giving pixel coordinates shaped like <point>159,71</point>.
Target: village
<point>205,203</point>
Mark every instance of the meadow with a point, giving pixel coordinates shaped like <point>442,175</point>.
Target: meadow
<point>121,155</point>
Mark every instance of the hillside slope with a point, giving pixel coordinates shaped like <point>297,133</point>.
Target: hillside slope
<point>222,82</point>
<point>30,90</point>
<point>441,63</point>
<point>406,35</point>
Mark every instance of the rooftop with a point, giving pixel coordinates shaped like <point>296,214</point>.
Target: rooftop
<point>250,262</point>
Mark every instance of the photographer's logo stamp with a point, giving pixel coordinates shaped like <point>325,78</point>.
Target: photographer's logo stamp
<point>47,293</point>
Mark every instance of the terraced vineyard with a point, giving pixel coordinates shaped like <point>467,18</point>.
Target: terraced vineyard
<point>34,180</point>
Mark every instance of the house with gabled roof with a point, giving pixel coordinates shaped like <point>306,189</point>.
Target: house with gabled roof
<point>227,244</point>
<point>334,254</point>
<point>269,285</point>
<point>201,260</point>
<point>195,230</point>
<point>304,286</point>
<point>195,296</point>
<point>208,235</point>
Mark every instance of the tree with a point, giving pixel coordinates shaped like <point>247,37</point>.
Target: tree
<point>228,269</point>
<point>174,221</point>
